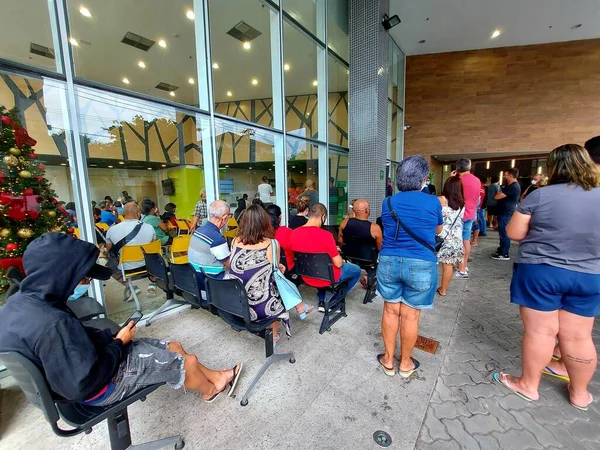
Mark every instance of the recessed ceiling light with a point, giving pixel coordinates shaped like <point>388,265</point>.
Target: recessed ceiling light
<point>121,162</point>
<point>496,33</point>
<point>293,167</point>
<point>215,65</point>
<point>110,167</point>
<point>172,94</point>
<point>93,165</point>
<point>162,43</point>
<point>250,168</point>
<point>63,164</point>
<point>142,64</point>
<point>315,83</point>
<point>254,81</point>
<point>73,42</point>
<point>247,45</point>
<point>229,94</point>
<point>286,67</point>
<point>191,81</point>
<point>149,168</point>
<point>270,169</point>
<point>226,166</point>
<point>163,165</point>
<point>125,80</point>
<point>422,41</point>
<point>84,11</point>
<point>301,172</point>
<point>574,27</point>
<point>190,14</point>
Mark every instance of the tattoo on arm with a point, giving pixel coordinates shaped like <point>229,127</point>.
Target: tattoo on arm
<point>579,360</point>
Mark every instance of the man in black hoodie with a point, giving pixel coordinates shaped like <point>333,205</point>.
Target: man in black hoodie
<point>86,364</point>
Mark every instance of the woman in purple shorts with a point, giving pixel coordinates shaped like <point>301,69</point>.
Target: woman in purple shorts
<point>556,281</point>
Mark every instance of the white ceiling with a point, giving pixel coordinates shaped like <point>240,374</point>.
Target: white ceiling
<point>455,25</point>
<point>102,57</point>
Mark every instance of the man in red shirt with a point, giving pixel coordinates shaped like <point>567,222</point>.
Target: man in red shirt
<point>311,238</point>
<point>471,189</point>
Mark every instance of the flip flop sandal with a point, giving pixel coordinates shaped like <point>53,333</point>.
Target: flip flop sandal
<point>389,372</point>
<point>555,358</point>
<point>214,397</point>
<point>439,293</point>
<point>408,373</point>
<point>307,310</point>
<point>236,377</point>
<point>548,371</point>
<point>580,408</point>
<point>502,380</point>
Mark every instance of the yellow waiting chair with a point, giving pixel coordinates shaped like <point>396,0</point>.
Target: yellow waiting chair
<point>121,218</point>
<point>133,253</point>
<point>103,226</point>
<point>232,226</point>
<point>179,249</point>
<point>184,226</point>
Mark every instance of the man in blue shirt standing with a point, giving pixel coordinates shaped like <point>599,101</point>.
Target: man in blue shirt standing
<point>507,198</point>
<point>107,215</point>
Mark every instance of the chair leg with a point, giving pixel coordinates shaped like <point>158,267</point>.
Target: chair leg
<point>263,368</point>
<point>160,443</point>
<point>166,305</point>
<point>340,308</point>
<point>135,297</point>
<point>118,431</point>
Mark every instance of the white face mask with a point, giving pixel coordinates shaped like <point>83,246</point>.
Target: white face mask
<point>533,181</point>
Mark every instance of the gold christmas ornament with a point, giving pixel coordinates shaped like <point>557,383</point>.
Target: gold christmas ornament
<point>25,174</point>
<point>10,160</point>
<point>4,232</point>
<point>25,233</point>
<point>56,229</point>
<point>15,151</point>
<point>51,213</point>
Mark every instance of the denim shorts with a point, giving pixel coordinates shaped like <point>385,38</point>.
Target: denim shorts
<point>547,288</point>
<point>467,229</point>
<point>407,280</point>
<point>148,362</point>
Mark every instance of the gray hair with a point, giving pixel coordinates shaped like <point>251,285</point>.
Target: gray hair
<point>218,208</point>
<point>463,165</point>
<point>411,173</point>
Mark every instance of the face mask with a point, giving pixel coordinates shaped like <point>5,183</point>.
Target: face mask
<point>533,181</point>
<point>80,291</point>
<point>427,183</point>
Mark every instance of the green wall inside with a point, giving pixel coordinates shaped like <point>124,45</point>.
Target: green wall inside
<point>188,182</point>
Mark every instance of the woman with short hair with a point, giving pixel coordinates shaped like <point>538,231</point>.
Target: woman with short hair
<point>556,281</point>
<point>251,262</point>
<point>406,274</point>
<point>301,217</point>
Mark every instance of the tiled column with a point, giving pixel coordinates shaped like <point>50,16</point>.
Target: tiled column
<point>368,102</point>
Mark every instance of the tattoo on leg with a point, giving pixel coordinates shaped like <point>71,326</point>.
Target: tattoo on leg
<point>579,360</point>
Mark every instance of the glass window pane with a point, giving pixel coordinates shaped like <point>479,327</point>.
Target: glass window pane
<point>396,75</point>
<point>122,44</point>
<point>300,69</point>
<point>246,158</point>
<point>28,36</point>
<point>303,173</point>
<point>141,150</point>
<point>338,186</point>
<point>304,12</point>
<point>337,27</point>
<point>338,102</point>
<point>242,71</point>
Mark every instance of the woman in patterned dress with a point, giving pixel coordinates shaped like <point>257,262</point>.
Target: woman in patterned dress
<point>251,262</point>
<point>452,251</point>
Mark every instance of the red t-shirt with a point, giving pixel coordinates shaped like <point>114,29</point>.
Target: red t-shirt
<point>315,240</point>
<point>471,188</point>
<point>282,235</point>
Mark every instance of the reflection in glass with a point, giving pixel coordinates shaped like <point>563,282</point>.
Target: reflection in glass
<point>122,44</point>
<point>241,59</point>
<point>338,102</point>
<point>304,12</point>
<point>303,173</point>
<point>300,53</point>
<point>338,186</point>
<point>337,27</point>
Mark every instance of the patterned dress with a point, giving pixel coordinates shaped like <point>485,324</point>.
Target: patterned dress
<point>452,251</point>
<point>254,270</point>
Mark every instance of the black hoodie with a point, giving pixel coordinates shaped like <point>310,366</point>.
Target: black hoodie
<point>78,361</point>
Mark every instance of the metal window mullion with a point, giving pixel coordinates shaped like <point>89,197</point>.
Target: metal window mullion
<point>58,54</point>
<point>323,104</point>
<point>210,157</point>
<point>76,154</point>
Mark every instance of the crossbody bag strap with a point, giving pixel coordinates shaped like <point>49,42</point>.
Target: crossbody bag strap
<point>126,240</point>
<point>454,223</point>
<point>274,255</point>
<point>408,231</point>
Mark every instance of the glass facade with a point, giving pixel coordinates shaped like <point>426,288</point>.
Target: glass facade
<point>395,149</point>
<point>209,94</point>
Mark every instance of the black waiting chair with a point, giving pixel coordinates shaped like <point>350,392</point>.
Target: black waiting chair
<point>82,417</point>
<point>229,298</point>
<point>158,269</point>
<point>365,257</point>
<point>185,280</point>
<point>14,274</point>
<point>13,288</point>
<point>90,312</point>
<point>320,267</point>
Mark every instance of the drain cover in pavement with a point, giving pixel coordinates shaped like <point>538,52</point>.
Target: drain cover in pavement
<point>427,344</point>
<point>382,439</point>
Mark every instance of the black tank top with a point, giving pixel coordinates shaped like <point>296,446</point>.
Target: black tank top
<point>358,232</point>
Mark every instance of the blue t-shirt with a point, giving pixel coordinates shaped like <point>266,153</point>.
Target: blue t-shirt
<point>108,218</point>
<point>421,213</point>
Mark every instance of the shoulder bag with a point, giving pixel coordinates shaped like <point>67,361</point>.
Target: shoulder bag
<point>287,290</point>
<point>439,241</point>
<point>112,260</point>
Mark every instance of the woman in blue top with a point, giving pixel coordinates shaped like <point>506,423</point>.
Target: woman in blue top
<point>407,275</point>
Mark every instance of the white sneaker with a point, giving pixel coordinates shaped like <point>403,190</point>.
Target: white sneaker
<point>460,274</point>
<point>138,292</point>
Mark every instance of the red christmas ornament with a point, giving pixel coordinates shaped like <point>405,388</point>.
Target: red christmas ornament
<point>71,230</point>
<point>39,179</point>
<point>32,156</point>
<point>11,247</point>
<point>41,167</point>
<point>28,191</point>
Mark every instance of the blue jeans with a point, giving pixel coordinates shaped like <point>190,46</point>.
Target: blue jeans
<point>407,280</point>
<point>481,221</point>
<point>350,272</point>
<point>504,248</point>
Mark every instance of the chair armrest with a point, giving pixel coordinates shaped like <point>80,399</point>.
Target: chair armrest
<point>85,308</point>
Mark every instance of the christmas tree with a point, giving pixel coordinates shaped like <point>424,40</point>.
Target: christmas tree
<point>28,207</point>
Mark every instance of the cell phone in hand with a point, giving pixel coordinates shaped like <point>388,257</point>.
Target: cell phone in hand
<point>135,318</point>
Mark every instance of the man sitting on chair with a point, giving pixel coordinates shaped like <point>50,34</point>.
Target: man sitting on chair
<point>358,231</point>
<point>208,248</point>
<point>312,238</point>
<point>124,231</point>
<point>85,364</point>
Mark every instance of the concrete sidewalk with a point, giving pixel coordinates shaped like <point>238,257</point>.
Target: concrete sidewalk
<point>336,396</point>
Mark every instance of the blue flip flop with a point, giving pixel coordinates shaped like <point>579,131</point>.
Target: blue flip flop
<point>307,310</point>
<point>506,384</point>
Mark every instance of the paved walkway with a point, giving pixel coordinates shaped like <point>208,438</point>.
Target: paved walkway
<point>466,410</point>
